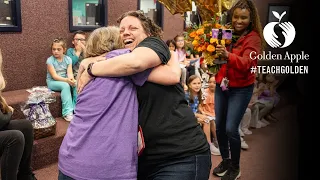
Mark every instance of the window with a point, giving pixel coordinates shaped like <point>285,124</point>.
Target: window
<point>192,17</point>
<point>87,15</point>
<point>153,9</point>
<point>10,16</point>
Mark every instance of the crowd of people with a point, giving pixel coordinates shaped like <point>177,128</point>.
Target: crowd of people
<point>140,108</point>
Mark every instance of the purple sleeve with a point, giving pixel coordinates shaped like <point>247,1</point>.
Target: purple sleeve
<point>140,78</point>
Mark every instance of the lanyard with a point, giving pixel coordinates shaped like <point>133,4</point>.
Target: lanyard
<point>230,49</point>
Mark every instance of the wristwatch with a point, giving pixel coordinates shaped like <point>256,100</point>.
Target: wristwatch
<point>89,70</point>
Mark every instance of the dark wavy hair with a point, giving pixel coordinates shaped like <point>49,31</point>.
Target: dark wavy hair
<point>254,17</point>
<point>148,24</point>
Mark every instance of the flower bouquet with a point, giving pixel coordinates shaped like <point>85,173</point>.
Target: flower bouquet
<point>200,40</point>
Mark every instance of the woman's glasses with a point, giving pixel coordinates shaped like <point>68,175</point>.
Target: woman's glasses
<point>79,39</point>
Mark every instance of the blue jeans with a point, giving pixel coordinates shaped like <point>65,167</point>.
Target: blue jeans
<point>195,167</point>
<point>63,177</point>
<point>68,95</point>
<point>230,107</point>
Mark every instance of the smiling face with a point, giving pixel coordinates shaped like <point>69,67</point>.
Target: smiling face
<point>180,42</point>
<point>132,32</point>
<point>240,20</point>
<point>195,85</point>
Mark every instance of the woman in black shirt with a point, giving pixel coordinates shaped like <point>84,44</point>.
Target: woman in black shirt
<point>175,145</point>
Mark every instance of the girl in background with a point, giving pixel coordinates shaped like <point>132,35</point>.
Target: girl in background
<point>195,97</point>
<point>171,44</point>
<point>173,47</point>
<point>207,108</point>
<point>184,63</point>
<point>60,77</point>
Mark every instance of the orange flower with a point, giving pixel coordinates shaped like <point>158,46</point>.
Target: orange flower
<point>195,43</point>
<point>211,48</point>
<point>223,42</point>
<point>197,38</point>
<point>213,40</point>
<point>228,41</point>
<point>199,49</point>
<point>204,47</point>
<point>218,26</point>
<point>193,34</point>
<point>200,31</point>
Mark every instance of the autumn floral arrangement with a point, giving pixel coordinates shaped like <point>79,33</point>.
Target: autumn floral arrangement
<point>199,41</point>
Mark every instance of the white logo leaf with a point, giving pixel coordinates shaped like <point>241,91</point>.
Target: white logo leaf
<point>284,13</point>
<point>276,14</point>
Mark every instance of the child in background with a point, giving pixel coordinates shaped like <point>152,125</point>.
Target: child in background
<point>173,47</point>
<point>184,63</point>
<point>76,53</point>
<point>207,108</point>
<point>171,44</point>
<point>60,77</point>
<point>195,97</point>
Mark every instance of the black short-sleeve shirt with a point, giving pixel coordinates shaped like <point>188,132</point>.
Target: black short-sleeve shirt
<point>169,126</point>
<point>158,46</point>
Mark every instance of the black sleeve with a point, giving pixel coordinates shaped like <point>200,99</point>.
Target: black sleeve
<point>158,46</point>
<point>4,119</point>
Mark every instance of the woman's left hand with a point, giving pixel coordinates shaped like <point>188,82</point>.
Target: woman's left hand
<point>83,80</point>
<point>222,51</point>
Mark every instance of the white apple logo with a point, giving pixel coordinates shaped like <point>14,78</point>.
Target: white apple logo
<point>288,32</point>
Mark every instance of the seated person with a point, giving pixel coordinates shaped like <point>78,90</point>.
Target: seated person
<point>207,107</point>
<point>76,52</point>
<point>269,94</point>
<point>60,77</point>
<point>16,142</point>
<point>195,97</point>
<point>172,46</point>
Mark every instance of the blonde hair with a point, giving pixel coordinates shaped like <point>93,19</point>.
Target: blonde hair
<point>103,40</point>
<point>2,81</point>
<point>3,104</point>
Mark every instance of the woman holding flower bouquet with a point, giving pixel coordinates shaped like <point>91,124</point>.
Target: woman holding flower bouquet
<point>235,84</point>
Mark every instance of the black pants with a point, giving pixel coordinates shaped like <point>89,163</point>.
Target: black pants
<point>16,142</point>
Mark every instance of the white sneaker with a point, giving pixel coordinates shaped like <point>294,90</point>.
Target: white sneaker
<point>241,133</point>
<point>214,151</point>
<point>244,145</point>
<point>262,124</point>
<point>68,117</point>
<point>265,121</point>
<point>246,131</point>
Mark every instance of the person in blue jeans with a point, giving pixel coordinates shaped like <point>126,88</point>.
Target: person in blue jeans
<point>235,85</point>
<point>60,77</point>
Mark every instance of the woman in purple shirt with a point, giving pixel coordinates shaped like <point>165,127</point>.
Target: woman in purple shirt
<point>101,141</point>
<point>175,145</point>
